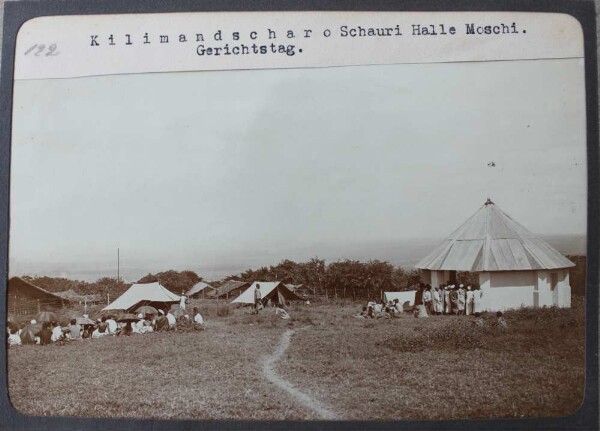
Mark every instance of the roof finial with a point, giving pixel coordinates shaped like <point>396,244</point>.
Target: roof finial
<point>488,202</point>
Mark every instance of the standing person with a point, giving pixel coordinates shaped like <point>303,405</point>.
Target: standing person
<point>478,301</point>
<point>419,295</point>
<point>447,302</point>
<point>453,299</point>
<point>427,298</point>
<point>442,299</point>
<point>470,297</point>
<point>462,299</point>
<point>437,301</point>
<point>182,301</point>
<point>257,298</point>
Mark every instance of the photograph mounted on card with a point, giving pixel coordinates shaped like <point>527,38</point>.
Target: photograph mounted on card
<point>298,215</point>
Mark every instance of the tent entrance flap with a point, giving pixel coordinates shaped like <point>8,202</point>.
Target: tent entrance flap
<point>281,299</point>
<point>273,290</point>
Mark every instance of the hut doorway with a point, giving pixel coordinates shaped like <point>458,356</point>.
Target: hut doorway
<point>452,277</point>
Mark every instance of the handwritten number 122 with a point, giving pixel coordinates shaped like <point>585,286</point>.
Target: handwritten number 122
<point>38,49</point>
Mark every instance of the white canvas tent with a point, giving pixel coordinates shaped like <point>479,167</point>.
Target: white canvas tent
<point>143,294</point>
<point>515,267</point>
<point>274,290</point>
<point>406,299</point>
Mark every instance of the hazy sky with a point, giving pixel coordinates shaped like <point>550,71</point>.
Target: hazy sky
<point>185,168</point>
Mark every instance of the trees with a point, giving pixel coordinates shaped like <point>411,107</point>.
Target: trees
<point>175,281</point>
<point>347,278</point>
<point>359,279</point>
<point>287,271</point>
<point>406,279</point>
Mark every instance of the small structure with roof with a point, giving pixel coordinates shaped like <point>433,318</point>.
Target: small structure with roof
<point>229,289</point>
<point>24,298</point>
<point>200,290</point>
<point>515,267</point>
<point>75,297</point>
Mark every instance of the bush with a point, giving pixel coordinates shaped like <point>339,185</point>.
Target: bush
<point>462,335</point>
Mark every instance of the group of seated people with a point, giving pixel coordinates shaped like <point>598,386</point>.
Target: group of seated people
<point>447,299</point>
<point>53,332</point>
<point>381,310</point>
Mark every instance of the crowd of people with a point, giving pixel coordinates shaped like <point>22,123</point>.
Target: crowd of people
<point>450,299</point>
<point>446,299</point>
<point>50,332</point>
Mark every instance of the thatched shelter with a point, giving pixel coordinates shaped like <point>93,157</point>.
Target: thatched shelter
<point>515,267</point>
<point>24,298</point>
<point>229,289</point>
<point>200,290</point>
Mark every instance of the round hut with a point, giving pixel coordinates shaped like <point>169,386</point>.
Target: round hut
<point>515,267</point>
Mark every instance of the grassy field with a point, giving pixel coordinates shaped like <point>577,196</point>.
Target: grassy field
<point>440,367</point>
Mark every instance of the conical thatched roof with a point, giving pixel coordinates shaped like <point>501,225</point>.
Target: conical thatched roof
<point>492,241</point>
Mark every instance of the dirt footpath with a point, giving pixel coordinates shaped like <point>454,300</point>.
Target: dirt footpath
<point>320,410</point>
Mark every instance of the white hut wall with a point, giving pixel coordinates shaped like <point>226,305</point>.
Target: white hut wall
<point>503,290</point>
<point>564,290</point>
<point>543,291</point>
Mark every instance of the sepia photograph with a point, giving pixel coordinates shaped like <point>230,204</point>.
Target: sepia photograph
<point>377,241</point>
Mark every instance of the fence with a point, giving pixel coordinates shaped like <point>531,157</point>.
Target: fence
<point>25,309</point>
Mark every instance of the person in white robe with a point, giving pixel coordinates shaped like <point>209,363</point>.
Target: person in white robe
<point>469,305</point>
<point>198,319</point>
<point>437,301</point>
<point>447,300</point>
<point>171,319</point>
<point>420,311</point>
<point>112,325</point>
<point>427,298</point>
<point>57,332</point>
<point>13,338</point>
